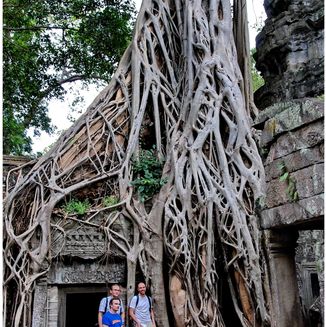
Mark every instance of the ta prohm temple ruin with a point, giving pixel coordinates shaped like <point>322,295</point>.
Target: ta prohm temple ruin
<point>211,195</point>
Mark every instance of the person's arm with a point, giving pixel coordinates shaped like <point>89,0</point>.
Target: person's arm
<point>101,311</point>
<point>133,316</point>
<point>99,319</point>
<point>123,314</point>
<point>153,319</point>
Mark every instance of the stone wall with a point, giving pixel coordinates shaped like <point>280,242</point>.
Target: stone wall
<point>292,147</point>
<point>290,51</point>
<point>82,266</point>
<point>290,57</point>
<point>292,143</point>
<point>310,270</point>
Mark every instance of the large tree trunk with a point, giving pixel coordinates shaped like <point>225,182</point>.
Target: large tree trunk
<point>177,88</point>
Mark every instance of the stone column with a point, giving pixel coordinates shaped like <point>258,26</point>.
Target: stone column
<point>39,304</point>
<point>53,307</point>
<point>286,309</point>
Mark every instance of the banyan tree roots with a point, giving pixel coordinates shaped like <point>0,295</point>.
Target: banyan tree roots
<point>196,240</point>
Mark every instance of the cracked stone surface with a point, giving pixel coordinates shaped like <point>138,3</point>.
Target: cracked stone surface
<point>290,51</point>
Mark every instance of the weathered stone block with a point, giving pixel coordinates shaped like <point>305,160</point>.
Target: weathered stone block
<point>302,138</point>
<point>295,161</point>
<point>276,193</point>
<point>273,110</point>
<point>295,213</point>
<point>291,118</point>
<point>280,246</point>
<point>309,181</point>
<point>290,52</point>
<point>39,305</point>
<point>87,273</point>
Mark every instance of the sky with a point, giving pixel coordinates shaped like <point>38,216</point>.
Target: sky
<point>256,15</point>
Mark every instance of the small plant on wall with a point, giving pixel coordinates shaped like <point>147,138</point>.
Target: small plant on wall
<point>285,177</point>
<point>110,200</point>
<point>76,207</point>
<point>148,169</point>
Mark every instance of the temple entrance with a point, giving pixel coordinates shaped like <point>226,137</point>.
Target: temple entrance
<point>80,305</point>
<point>82,308</point>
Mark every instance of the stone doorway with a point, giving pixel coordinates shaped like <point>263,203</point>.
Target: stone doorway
<point>81,306</point>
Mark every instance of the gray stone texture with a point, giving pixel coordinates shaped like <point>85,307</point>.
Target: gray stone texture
<point>310,260</point>
<point>299,114</point>
<point>302,139</point>
<point>295,161</point>
<point>52,309</point>
<point>290,51</point>
<point>293,142</point>
<point>40,305</point>
<point>308,182</point>
<point>87,273</point>
<point>281,265</point>
<point>301,214</point>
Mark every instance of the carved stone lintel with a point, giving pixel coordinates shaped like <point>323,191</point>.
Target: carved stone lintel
<point>83,242</point>
<point>92,273</point>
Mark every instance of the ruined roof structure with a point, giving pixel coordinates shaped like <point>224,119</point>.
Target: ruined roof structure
<point>290,51</point>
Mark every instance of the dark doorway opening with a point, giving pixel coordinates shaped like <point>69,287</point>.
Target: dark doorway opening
<point>82,309</point>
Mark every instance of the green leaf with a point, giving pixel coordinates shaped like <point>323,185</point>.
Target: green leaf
<point>284,177</point>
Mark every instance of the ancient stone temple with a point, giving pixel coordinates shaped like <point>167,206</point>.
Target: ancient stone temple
<point>84,260</point>
<point>290,51</point>
<point>70,292</point>
<point>290,57</point>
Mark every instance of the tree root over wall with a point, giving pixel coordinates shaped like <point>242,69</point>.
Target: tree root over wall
<point>177,87</point>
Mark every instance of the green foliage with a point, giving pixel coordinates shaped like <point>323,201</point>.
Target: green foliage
<point>76,207</point>
<point>257,79</point>
<point>149,170</point>
<point>291,189</point>
<point>47,44</point>
<point>110,200</point>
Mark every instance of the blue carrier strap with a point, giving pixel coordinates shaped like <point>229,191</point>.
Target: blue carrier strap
<point>149,300</point>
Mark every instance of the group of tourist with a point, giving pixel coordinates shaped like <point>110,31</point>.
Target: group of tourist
<point>111,312</point>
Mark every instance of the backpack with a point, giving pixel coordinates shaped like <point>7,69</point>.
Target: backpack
<point>149,300</point>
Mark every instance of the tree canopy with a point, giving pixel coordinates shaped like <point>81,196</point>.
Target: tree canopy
<point>47,44</point>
